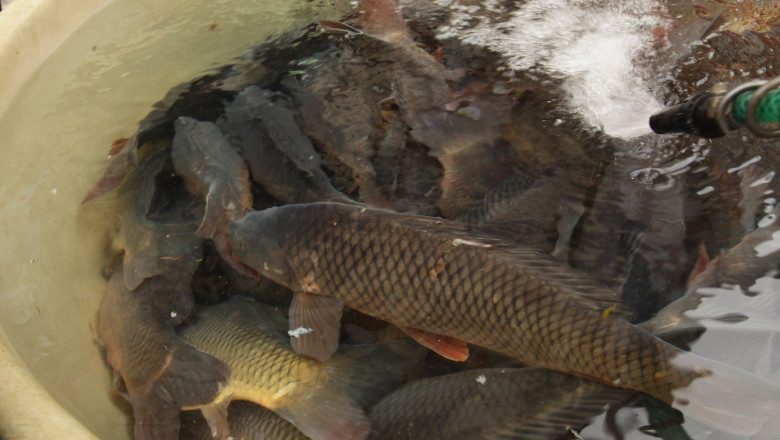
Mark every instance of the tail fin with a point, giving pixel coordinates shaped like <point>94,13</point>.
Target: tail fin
<point>383,17</point>
<point>731,303</point>
<point>726,398</point>
<point>155,420</point>
<point>357,376</point>
<point>327,415</point>
<point>755,256</point>
<point>191,378</point>
<point>368,372</point>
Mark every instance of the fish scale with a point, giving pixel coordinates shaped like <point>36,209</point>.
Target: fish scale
<point>524,403</point>
<point>249,338</point>
<point>278,365</point>
<point>427,274</point>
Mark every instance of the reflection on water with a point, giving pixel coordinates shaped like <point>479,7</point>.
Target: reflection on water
<point>528,123</point>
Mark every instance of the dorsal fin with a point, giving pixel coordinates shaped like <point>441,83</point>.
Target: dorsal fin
<point>579,285</point>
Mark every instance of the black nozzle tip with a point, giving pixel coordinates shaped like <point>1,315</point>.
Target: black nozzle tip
<point>689,117</point>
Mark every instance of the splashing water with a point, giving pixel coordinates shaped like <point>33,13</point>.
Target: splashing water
<point>590,45</point>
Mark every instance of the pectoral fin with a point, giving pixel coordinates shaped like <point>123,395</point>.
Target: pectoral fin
<point>446,346</point>
<point>111,178</point>
<point>216,416</point>
<point>701,263</point>
<point>314,324</point>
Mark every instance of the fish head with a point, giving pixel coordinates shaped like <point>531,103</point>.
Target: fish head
<point>255,244</point>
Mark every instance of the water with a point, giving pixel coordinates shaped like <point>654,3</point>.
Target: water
<point>630,207</point>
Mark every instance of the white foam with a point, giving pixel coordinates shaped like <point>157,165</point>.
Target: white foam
<point>705,190</point>
<point>747,163</point>
<point>770,246</point>
<point>590,45</point>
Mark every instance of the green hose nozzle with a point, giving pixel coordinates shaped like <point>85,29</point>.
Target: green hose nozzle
<point>713,113</point>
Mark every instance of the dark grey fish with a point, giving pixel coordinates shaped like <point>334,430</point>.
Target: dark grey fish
<point>149,245</point>
<point>419,80</point>
<point>447,288</point>
<point>517,403</point>
<point>214,171</point>
<point>161,373</point>
<point>281,159</point>
<point>247,421</point>
<point>339,95</point>
<point>195,99</point>
<point>405,173</point>
<point>757,255</point>
<point>538,211</point>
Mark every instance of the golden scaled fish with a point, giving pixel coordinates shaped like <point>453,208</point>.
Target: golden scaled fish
<point>324,400</point>
<point>491,403</point>
<point>160,371</point>
<point>446,288</point>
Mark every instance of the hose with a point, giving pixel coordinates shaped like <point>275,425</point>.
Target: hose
<point>713,113</point>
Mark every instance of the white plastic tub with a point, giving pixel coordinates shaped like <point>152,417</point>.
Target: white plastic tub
<point>29,31</point>
<point>74,76</point>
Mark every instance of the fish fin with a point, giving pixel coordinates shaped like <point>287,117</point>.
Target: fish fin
<point>314,324</point>
<point>155,420</point>
<point>578,284</point>
<point>436,224</point>
<point>215,217</point>
<point>707,297</point>
<point>383,18</point>
<point>701,263</point>
<point>326,415</point>
<point>368,372</point>
<point>192,377</point>
<point>138,267</point>
<point>358,376</point>
<point>446,346</point>
<point>726,398</point>
<point>558,420</point>
<point>112,177</point>
<point>216,415</point>
<point>337,26</point>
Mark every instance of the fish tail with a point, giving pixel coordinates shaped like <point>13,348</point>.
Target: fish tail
<point>383,17</point>
<point>155,419</point>
<point>740,397</point>
<point>725,397</point>
<point>191,378</point>
<point>368,372</point>
<point>216,217</point>
<point>356,377</point>
<point>324,414</point>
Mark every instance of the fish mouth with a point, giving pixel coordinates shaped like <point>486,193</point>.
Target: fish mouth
<point>239,265</point>
<point>225,249</point>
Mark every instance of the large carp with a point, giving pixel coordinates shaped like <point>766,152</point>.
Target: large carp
<point>446,287</point>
